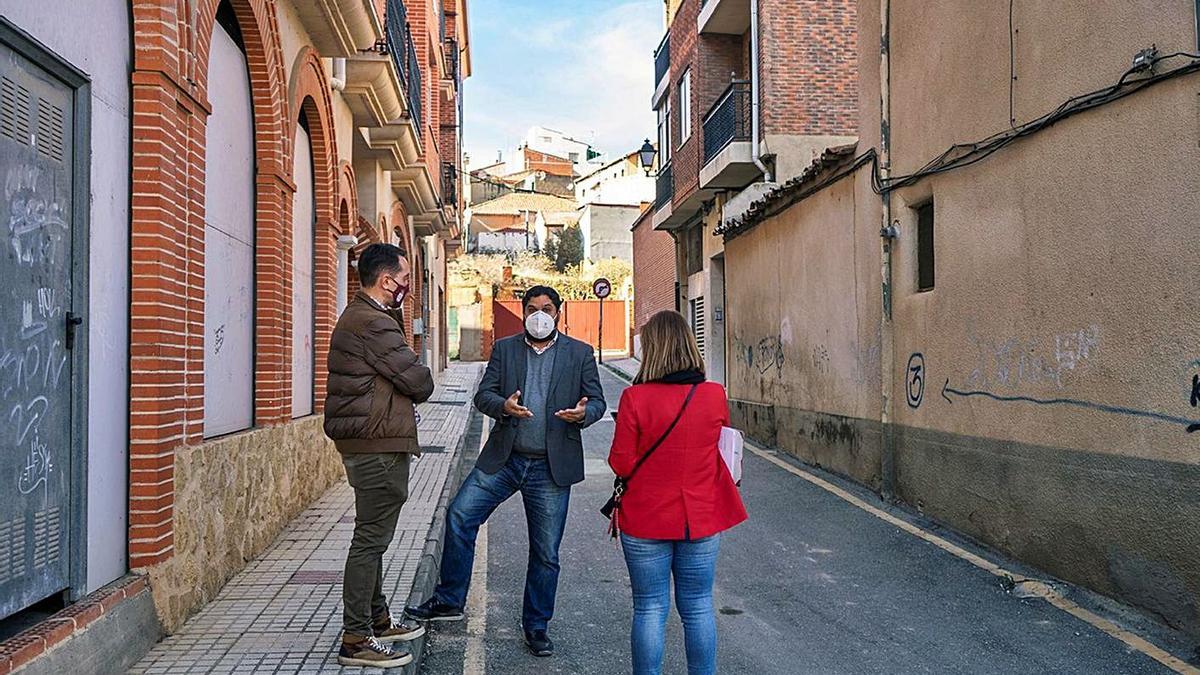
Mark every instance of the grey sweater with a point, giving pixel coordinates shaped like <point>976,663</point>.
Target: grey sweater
<point>531,433</point>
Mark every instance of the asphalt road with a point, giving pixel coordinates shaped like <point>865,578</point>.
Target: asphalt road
<point>810,584</point>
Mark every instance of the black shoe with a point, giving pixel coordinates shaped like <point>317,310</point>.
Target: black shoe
<point>539,643</point>
<point>432,610</point>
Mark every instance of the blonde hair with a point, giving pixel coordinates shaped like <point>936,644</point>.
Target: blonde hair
<point>668,346</point>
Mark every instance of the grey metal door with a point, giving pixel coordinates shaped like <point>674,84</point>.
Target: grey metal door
<point>36,332</point>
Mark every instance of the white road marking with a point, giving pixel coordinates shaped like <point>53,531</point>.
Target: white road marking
<point>474,661</point>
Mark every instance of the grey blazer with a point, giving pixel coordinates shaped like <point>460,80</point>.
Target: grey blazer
<point>574,376</point>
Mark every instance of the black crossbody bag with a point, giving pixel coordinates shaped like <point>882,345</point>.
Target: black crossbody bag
<point>612,508</point>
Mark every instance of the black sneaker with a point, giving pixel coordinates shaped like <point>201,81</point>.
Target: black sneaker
<point>539,643</point>
<point>372,653</point>
<point>432,610</point>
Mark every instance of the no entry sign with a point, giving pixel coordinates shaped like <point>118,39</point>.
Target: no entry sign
<point>602,288</point>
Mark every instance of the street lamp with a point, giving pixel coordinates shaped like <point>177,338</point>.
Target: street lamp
<point>646,155</point>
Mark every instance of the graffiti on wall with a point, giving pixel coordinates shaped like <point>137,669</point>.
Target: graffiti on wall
<point>764,356</point>
<point>914,387</point>
<point>1071,350</point>
<point>1016,361</point>
<point>1195,400</point>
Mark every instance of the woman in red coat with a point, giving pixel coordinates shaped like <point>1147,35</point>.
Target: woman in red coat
<point>679,500</point>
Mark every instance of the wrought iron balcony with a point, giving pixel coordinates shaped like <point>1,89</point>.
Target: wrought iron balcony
<point>452,59</point>
<point>404,55</point>
<point>728,120</point>
<point>449,185</point>
<point>664,187</point>
<point>662,59</point>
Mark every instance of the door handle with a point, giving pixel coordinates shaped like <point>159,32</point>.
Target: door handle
<point>73,322</point>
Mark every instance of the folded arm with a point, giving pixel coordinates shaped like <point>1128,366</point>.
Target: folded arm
<point>389,354</point>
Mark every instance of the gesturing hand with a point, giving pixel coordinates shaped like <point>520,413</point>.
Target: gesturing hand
<point>574,415</point>
<point>514,409</point>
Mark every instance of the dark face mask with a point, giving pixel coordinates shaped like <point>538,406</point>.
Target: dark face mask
<point>400,293</point>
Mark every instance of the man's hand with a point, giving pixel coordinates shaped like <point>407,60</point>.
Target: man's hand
<point>514,409</point>
<point>574,415</point>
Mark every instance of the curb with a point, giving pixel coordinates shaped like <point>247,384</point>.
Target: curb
<point>431,556</point>
<point>620,374</point>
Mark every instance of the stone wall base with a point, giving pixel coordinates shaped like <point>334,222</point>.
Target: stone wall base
<point>233,495</point>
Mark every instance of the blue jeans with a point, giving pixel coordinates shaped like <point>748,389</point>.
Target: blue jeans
<point>652,563</point>
<point>545,513</point>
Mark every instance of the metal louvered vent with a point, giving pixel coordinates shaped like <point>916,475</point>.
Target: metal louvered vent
<point>50,130</point>
<point>698,328</point>
<point>14,110</point>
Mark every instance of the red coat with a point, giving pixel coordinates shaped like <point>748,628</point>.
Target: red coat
<point>684,490</point>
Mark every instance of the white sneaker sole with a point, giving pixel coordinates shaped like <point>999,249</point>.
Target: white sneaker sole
<point>369,663</point>
<point>403,637</point>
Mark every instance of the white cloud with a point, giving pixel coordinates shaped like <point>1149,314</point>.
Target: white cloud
<point>587,76</point>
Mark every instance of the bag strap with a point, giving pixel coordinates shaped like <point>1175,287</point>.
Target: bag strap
<point>662,438</point>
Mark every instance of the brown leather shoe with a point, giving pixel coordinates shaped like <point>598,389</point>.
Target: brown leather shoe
<point>372,653</point>
<point>389,629</point>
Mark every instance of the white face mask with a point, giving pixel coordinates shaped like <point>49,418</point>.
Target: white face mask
<point>539,325</point>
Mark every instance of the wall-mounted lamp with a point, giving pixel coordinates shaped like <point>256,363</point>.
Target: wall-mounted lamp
<point>646,155</point>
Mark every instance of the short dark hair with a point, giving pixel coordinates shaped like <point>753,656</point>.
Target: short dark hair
<point>377,260</point>
<point>538,291</point>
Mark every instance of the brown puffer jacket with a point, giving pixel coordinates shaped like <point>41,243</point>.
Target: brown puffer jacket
<point>374,380</point>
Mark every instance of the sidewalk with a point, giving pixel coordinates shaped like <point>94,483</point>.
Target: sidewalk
<point>283,613</point>
<point>625,369</point>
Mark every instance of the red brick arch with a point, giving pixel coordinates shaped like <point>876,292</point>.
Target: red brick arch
<point>172,40</point>
<point>308,94</point>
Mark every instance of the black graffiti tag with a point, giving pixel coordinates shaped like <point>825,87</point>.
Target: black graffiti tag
<point>1192,428</point>
<point>915,387</point>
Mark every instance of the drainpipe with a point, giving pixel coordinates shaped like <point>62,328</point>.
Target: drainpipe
<point>887,234</point>
<point>755,104</point>
<point>338,79</point>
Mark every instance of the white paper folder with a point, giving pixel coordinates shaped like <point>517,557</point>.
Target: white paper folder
<point>731,445</point>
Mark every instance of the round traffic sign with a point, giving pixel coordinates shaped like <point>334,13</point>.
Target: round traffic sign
<point>602,288</point>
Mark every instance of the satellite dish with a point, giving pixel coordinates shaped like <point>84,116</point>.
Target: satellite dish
<point>570,186</point>
<point>541,175</point>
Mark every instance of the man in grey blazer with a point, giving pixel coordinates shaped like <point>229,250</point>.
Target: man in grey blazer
<point>542,389</point>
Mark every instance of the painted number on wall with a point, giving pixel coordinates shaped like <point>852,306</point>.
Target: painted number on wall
<point>915,387</point>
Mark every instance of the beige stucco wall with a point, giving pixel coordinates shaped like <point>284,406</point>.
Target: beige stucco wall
<point>232,498</point>
<point>1063,320</point>
<point>1063,261</point>
<point>803,305</point>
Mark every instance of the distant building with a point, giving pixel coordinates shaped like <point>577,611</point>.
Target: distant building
<point>606,230</point>
<point>517,221</point>
<point>622,181</point>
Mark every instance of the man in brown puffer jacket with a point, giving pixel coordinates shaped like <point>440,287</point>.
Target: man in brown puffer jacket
<point>375,382</point>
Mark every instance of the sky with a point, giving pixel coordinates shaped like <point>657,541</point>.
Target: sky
<point>584,67</point>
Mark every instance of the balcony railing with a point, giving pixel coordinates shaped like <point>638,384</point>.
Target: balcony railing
<point>404,55</point>
<point>452,59</point>
<point>662,59</point>
<point>449,185</point>
<point>664,187</point>
<point>728,120</point>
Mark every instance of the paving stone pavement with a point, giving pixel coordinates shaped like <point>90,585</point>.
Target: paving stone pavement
<point>283,613</point>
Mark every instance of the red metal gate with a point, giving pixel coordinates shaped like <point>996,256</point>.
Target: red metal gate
<point>579,318</point>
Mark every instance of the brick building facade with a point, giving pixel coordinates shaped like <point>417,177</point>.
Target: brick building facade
<point>716,155</point>
<point>268,142</point>
<point>653,272</point>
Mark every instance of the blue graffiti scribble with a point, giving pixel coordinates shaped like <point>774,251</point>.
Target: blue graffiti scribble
<point>1190,424</point>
